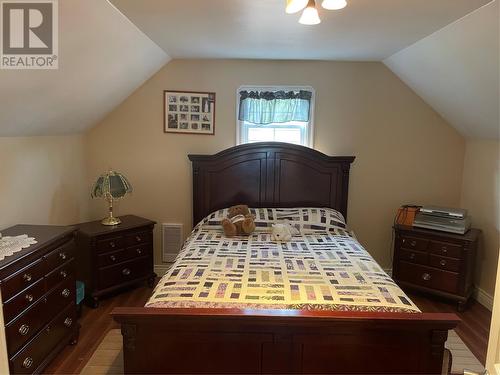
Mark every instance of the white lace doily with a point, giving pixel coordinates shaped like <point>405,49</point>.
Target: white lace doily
<point>12,244</point>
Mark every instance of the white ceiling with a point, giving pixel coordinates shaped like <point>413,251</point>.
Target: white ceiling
<point>365,30</point>
<point>103,57</point>
<point>456,71</point>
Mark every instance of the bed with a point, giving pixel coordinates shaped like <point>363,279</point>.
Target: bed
<point>318,304</point>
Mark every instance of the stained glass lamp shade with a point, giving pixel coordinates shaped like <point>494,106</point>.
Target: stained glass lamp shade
<point>111,186</point>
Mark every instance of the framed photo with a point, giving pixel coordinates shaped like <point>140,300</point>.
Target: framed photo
<point>189,112</point>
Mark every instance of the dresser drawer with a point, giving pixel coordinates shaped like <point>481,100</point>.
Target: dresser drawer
<point>446,249</point>
<point>123,272</point>
<point>22,279</point>
<point>123,255</point>
<point>31,356</point>
<point>449,264</point>
<point>414,256</point>
<point>108,244</point>
<point>23,300</point>
<point>138,238</point>
<point>19,331</point>
<point>413,243</point>
<point>66,271</point>
<point>428,277</point>
<point>60,255</point>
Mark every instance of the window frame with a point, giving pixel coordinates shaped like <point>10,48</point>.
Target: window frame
<point>239,124</point>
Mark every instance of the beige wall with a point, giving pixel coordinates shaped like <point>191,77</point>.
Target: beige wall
<point>42,180</point>
<point>406,153</point>
<point>480,195</point>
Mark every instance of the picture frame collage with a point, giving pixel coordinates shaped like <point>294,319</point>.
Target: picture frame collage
<point>189,112</point>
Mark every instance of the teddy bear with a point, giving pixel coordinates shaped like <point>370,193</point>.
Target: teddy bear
<point>239,221</point>
<point>283,231</point>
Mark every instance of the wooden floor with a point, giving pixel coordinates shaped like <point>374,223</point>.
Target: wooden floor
<point>95,324</point>
<point>473,330</point>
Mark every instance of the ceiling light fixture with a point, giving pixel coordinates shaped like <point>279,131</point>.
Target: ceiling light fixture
<point>294,6</point>
<point>310,15</point>
<point>334,4</point>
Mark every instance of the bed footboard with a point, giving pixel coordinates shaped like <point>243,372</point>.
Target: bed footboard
<point>222,341</point>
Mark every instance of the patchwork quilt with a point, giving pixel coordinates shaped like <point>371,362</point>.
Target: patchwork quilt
<point>323,268</point>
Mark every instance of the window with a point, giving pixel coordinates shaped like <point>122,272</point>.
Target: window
<point>277,114</point>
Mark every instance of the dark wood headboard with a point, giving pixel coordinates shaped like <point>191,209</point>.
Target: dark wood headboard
<point>269,174</point>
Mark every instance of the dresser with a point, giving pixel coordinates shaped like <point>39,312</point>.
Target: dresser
<point>436,262</point>
<point>38,297</point>
<point>111,258</point>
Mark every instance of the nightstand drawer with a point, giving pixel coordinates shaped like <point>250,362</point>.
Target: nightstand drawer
<point>22,279</point>
<point>413,243</point>
<point>138,238</point>
<point>428,277</point>
<point>414,256</point>
<point>446,249</point>
<point>124,272</point>
<point>449,264</point>
<point>110,244</point>
<point>123,255</point>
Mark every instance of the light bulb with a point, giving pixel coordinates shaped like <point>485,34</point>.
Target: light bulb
<point>334,4</point>
<point>310,15</point>
<point>294,6</point>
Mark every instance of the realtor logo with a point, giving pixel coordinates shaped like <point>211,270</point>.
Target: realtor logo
<point>29,35</point>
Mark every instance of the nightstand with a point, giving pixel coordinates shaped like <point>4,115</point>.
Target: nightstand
<point>110,258</point>
<point>436,262</point>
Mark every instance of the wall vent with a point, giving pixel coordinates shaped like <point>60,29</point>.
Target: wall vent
<point>172,240</point>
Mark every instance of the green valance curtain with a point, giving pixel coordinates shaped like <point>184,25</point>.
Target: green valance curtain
<point>266,107</point>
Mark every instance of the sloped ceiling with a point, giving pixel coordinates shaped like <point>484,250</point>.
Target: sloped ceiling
<point>260,29</point>
<point>456,71</point>
<point>103,58</point>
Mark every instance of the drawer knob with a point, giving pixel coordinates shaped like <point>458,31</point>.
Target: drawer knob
<point>68,322</point>
<point>27,277</point>
<point>138,238</point>
<point>444,249</point>
<point>413,243</point>
<point>412,256</point>
<point>65,293</point>
<point>126,271</point>
<point>63,274</point>
<point>112,257</point>
<point>29,297</point>
<point>112,244</point>
<point>62,255</point>
<point>24,329</point>
<point>28,362</point>
<point>139,251</point>
<point>426,276</point>
<point>443,262</point>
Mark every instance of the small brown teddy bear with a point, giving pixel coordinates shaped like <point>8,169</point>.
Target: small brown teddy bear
<point>239,221</point>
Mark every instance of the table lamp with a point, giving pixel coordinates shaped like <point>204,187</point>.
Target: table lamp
<point>111,186</point>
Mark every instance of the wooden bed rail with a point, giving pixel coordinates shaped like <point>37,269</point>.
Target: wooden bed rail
<point>234,341</point>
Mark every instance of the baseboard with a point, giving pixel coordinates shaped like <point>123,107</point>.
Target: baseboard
<point>161,269</point>
<point>483,298</point>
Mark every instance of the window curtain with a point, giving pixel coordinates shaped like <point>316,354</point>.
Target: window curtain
<point>266,107</point>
